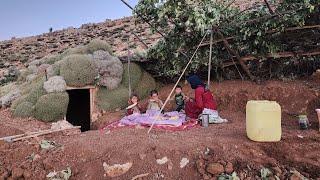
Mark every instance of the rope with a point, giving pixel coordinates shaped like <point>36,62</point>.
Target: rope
<point>129,76</point>
<point>174,87</point>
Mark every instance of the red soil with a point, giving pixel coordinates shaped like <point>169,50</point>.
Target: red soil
<point>85,153</point>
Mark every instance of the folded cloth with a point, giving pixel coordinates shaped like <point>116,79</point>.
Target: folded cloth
<point>214,117</point>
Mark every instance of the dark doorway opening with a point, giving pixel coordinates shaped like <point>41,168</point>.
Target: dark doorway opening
<point>78,113</point>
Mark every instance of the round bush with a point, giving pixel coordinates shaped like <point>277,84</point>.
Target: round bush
<point>23,75</point>
<point>98,44</point>
<point>135,75</point>
<point>146,84</point>
<point>36,92</point>
<point>52,107</point>
<point>24,110</point>
<point>76,50</point>
<point>109,100</point>
<point>78,70</point>
<point>51,59</point>
<point>17,102</point>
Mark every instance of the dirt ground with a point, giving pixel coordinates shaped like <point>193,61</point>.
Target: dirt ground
<point>210,151</point>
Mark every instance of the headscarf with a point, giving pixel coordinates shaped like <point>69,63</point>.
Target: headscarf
<point>195,81</point>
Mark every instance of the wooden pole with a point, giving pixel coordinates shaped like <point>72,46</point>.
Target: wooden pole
<point>174,87</point>
<point>210,58</point>
<point>236,54</point>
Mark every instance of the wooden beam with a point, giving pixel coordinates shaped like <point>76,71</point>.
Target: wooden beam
<point>276,56</point>
<point>236,54</point>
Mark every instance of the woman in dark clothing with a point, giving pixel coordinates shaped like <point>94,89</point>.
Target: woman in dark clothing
<point>203,98</point>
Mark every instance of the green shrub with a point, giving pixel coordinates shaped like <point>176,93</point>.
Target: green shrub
<point>135,75</point>
<point>24,110</point>
<point>51,59</point>
<point>146,84</point>
<point>36,92</point>
<point>76,50</point>
<point>23,74</point>
<point>4,90</point>
<point>17,102</point>
<point>112,99</point>
<point>28,86</point>
<point>52,107</point>
<point>78,70</point>
<point>98,44</point>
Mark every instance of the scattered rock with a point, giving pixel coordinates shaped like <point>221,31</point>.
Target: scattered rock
<point>47,164</point>
<point>117,169</point>
<point>162,161</point>
<point>6,100</point>
<point>277,171</point>
<point>184,162</point>
<point>200,164</point>
<point>142,156</point>
<point>4,175</point>
<point>215,168</point>
<point>30,77</point>
<point>17,173</point>
<point>170,165</point>
<point>229,168</point>
<point>296,175</point>
<point>27,174</point>
<point>60,175</point>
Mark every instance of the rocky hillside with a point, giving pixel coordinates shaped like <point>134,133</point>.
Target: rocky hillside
<point>118,33</point>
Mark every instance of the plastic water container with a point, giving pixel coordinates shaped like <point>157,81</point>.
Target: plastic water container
<point>263,121</point>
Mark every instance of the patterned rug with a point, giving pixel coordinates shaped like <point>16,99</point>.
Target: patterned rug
<point>192,123</point>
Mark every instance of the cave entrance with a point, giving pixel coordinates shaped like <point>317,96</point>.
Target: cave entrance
<point>80,107</point>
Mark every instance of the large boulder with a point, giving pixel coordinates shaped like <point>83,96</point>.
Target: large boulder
<point>55,84</point>
<point>110,69</point>
<point>6,100</point>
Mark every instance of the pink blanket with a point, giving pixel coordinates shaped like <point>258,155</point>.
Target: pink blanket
<point>172,121</point>
<point>170,118</point>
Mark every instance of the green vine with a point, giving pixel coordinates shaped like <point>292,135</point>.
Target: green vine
<point>255,31</point>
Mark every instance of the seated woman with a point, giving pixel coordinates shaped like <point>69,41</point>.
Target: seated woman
<point>203,98</point>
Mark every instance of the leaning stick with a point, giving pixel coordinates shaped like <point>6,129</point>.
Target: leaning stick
<point>168,98</point>
<point>21,135</point>
<point>43,133</point>
<point>140,176</point>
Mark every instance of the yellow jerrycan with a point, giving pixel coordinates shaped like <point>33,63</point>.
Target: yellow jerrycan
<point>263,121</point>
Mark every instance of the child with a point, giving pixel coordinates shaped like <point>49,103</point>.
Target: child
<point>134,106</point>
<point>179,98</point>
<point>154,102</point>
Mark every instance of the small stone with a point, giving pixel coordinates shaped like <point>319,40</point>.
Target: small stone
<point>142,156</point>
<point>170,165</point>
<point>162,161</point>
<point>17,173</point>
<point>277,171</point>
<point>200,164</point>
<point>206,177</point>
<point>4,175</point>
<point>184,162</point>
<point>215,168</point>
<point>47,164</point>
<point>229,168</point>
<point>27,174</point>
